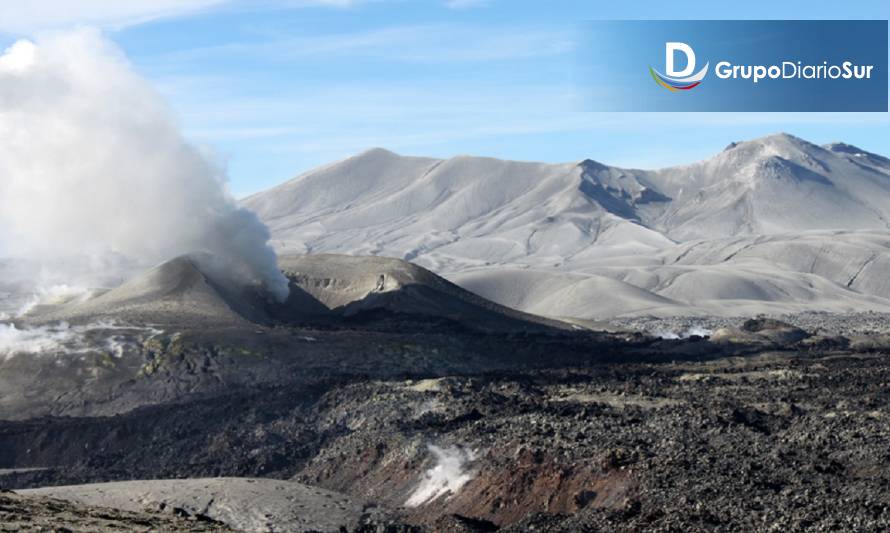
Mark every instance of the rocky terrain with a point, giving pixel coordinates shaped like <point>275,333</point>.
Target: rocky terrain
<point>763,427</point>
<point>863,324</point>
<point>774,442</point>
<point>782,441</point>
<point>177,332</point>
<point>381,397</point>
<point>396,344</point>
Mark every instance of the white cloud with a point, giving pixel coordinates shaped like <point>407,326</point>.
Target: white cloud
<point>36,15</point>
<point>465,4</point>
<point>310,3</point>
<point>434,43</point>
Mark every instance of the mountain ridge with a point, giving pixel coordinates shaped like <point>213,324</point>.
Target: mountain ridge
<point>467,213</point>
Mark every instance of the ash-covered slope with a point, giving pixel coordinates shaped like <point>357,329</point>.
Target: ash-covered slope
<point>589,240</point>
<point>180,292</point>
<point>456,213</point>
<point>325,286</point>
<point>182,330</point>
<point>37,513</point>
<point>468,211</point>
<point>777,184</point>
<point>243,504</point>
<point>834,271</point>
<point>325,289</point>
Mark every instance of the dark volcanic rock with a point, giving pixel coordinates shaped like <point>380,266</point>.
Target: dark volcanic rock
<point>787,442</point>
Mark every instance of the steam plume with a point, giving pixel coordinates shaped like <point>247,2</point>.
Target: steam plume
<point>92,162</point>
<point>446,477</point>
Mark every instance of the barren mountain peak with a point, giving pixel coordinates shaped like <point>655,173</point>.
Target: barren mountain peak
<point>607,224</point>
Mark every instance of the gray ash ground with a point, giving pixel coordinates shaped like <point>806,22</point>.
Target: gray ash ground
<point>847,324</point>
<point>19,513</point>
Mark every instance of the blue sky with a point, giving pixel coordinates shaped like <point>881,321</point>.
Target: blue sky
<point>277,87</point>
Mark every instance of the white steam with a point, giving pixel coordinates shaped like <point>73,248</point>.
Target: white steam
<point>53,295</point>
<point>63,339</point>
<point>92,163</point>
<point>15,341</point>
<point>450,473</point>
<point>683,333</point>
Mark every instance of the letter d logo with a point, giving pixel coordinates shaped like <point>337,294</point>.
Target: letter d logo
<point>682,80</point>
<point>670,49</point>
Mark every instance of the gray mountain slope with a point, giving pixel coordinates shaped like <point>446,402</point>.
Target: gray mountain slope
<point>325,289</point>
<point>772,185</point>
<point>175,292</point>
<point>836,271</point>
<point>243,504</point>
<point>325,285</point>
<point>379,202</point>
<point>617,232</point>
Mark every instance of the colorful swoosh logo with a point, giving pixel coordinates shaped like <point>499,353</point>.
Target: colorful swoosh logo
<point>679,84</point>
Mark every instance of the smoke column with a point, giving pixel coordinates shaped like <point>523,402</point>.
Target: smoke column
<point>92,163</point>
